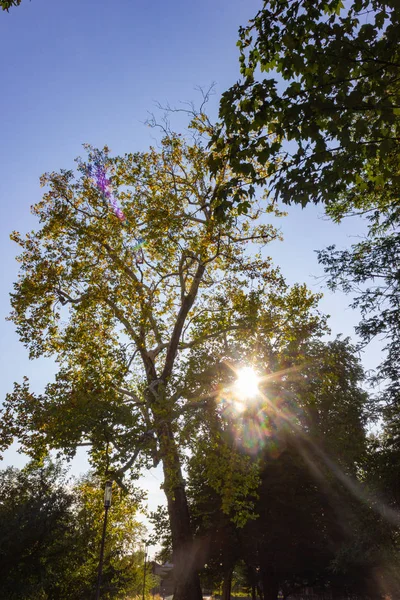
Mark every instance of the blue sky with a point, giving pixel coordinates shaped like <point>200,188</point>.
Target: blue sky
<point>75,71</point>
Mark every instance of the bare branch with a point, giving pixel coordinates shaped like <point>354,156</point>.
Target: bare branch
<point>146,358</point>
<point>141,442</point>
<point>65,298</point>
<point>130,394</point>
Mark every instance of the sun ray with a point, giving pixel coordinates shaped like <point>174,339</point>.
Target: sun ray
<point>246,384</point>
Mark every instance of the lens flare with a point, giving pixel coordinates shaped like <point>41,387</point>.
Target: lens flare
<point>259,410</point>
<point>262,424</point>
<point>246,384</point>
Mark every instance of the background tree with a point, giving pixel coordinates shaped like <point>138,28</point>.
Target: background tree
<point>123,555</point>
<point>381,480</point>
<point>120,325</point>
<point>302,524</point>
<point>35,530</point>
<point>370,271</point>
<point>50,537</point>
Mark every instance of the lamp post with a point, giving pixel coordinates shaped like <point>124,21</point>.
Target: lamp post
<point>144,570</point>
<point>107,504</point>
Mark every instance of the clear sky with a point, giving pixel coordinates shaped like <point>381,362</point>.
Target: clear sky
<point>75,71</point>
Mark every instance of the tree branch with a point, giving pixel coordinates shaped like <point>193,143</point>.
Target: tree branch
<point>180,321</point>
<point>131,395</point>
<point>146,358</point>
<point>144,438</point>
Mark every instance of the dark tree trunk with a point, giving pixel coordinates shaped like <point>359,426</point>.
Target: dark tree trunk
<point>187,582</point>
<point>270,586</point>
<point>253,592</point>
<point>227,585</point>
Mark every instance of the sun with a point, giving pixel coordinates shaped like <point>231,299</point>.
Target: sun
<point>246,384</point>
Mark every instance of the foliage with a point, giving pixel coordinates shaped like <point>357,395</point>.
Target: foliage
<point>35,533</point>
<point>329,107</point>
<point>381,493</point>
<point>230,437</point>
<point>7,4</point>
<point>307,427</point>
<point>325,123</point>
<point>115,326</point>
<point>370,271</point>
<point>123,564</point>
<point>223,472</point>
<point>313,531</point>
<point>50,537</point>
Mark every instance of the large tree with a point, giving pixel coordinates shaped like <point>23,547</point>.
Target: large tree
<point>120,320</point>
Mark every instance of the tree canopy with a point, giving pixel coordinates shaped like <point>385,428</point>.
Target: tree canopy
<point>370,271</point>
<point>326,116</point>
<point>50,535</point>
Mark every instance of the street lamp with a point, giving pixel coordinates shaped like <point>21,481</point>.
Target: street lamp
<point>107,504</point>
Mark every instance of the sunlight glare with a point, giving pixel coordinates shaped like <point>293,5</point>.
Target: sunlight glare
<point>246,384</point>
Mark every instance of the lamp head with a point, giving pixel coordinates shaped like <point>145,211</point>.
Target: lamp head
<point>107,494</point>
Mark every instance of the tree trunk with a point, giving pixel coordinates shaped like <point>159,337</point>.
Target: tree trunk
<point>253,592</point>
<point>187,582</point>
<point>270,586</point>
<point>227,585</point>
